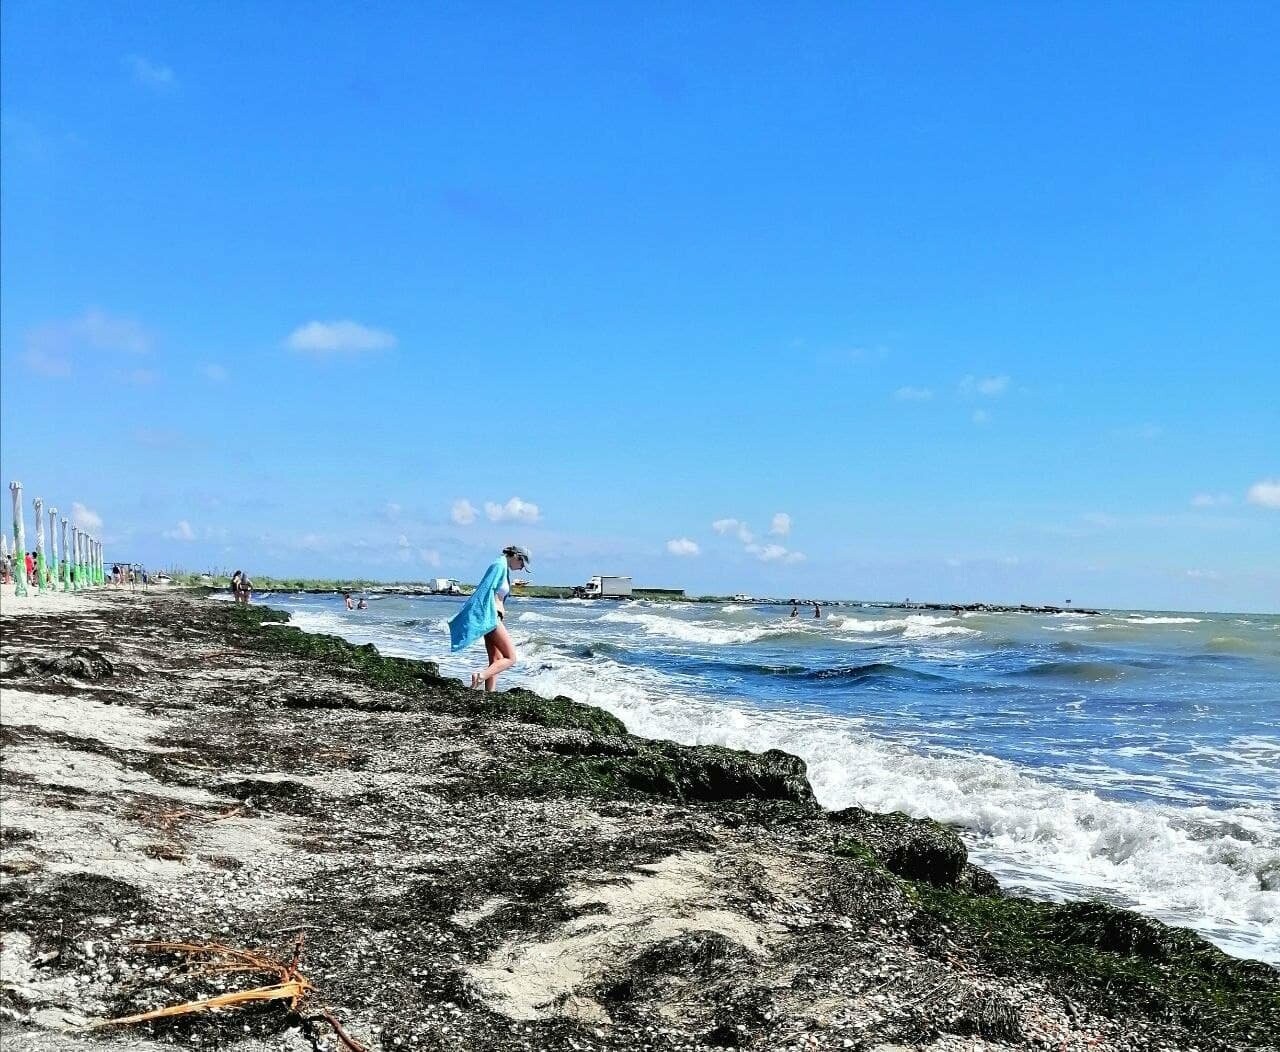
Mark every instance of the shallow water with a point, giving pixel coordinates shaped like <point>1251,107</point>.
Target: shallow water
<point>1131,756</point>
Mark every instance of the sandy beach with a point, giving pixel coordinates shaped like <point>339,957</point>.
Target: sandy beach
<point>505,871</point>
<point>46,603</point>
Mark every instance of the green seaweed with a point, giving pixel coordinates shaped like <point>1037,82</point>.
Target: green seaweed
<point>1122,961</point>
<point>636,768</point>
<point>858,851</point>
<point>249,626</point>
<point>525,706</point>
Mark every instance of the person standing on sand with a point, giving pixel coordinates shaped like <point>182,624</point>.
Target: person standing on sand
<point>483,614</point>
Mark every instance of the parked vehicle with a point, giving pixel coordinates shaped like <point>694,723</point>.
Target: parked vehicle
<point>601,587</point>
<point>444,586</point>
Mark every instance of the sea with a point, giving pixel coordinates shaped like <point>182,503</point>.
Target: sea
<point>1132,756</point>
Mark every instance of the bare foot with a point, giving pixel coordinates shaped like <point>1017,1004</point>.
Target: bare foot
<point>476,681</point>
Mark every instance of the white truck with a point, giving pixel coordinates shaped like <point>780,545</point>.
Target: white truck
<point>444,586</point>
<point>600,587</point>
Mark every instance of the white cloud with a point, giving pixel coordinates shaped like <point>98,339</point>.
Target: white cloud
<point>51,347</point>
<point>913,394</point>
<point>683,546</point>
<point>725,527</point>
<point>150,74</point>
<point>781,524</point>
<point>391,511</point>
<point>515,510</point>
<point>1210,500</point>
<point>463,512</point>
<point>987,386</point>
<point>214,373</point>
<point>1204,575</point>
<point>1265,493</point>
<point>981,416</point>
<point>772,553</point>
<point>85,518</point>
<point>181,532</point>
<point>338,337</point>
<point>429,556</point>
<point>402,541</point>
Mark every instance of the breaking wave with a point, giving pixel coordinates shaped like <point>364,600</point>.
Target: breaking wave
<point>690,631</point>
<point>1164,620</point>
<point>914,626</point>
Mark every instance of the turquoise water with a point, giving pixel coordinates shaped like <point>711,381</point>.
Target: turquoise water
<point>1133,755</point>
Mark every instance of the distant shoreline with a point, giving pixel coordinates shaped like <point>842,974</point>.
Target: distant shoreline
<point>557,592</point>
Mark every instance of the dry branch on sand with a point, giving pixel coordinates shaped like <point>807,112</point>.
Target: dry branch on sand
<point>208,959</point>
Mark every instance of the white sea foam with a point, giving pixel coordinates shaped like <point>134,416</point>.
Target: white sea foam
<point>532,616</point>
<point>690,631</point>
<point>1164,620</point>
<point>854,624</point>
<point>913,626</point>
<point>1067,628</point>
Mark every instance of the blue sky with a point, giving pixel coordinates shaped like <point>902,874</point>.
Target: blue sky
<point>982,298</point>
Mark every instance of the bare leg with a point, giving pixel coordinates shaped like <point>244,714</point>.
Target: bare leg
<point>498,640</point>
<point>491,648</point>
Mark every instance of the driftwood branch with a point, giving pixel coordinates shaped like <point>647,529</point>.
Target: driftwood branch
<point>213,958</point>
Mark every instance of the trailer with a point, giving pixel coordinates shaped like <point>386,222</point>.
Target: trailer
<point>604,587</point>
<point>444,586</point>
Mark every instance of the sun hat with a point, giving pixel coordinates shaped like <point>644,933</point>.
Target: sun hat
<point>520,550</point>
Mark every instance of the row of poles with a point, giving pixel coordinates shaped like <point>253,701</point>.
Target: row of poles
<point>81,564</point>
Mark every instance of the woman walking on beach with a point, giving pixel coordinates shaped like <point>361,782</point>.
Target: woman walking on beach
<point>483,614</point>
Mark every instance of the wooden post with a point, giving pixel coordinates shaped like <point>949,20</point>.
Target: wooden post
<point>77,578</point>
<point>38,504</point>
<point>19,541</point>
<point>66,559</point>
<point>97,562</point>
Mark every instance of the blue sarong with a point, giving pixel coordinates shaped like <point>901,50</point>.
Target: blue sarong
<point>479,614</point>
